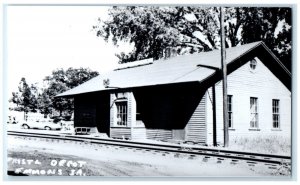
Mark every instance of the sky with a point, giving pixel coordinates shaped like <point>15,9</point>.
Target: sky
<point>41,39</point>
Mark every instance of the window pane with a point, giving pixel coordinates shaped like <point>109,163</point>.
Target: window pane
<point>275,111</point>
<point>253,112</point>
<point>230,119</point>
<point>121,113</point>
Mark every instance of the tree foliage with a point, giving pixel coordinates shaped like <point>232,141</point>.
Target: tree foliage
<point>60,81</point>
<point>25,97</point>
<point>44,102</point>
<point>31,98</point>
<point>153,30</point>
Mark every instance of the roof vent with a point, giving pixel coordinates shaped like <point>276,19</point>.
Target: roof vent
<point>106,83</point>
<point>138,63</point>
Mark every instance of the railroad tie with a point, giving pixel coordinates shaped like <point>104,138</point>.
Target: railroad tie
<point>176,155</point>
<point>205,159</point>
<point>231,157</point>
<point>234,161</point>
<point>220,160</point>
<point>251,163</point>
<point>273,167</point>
<point>192,157</point>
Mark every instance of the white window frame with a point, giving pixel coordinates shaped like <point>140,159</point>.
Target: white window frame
<point>230,111</point>
<point>121,113</point>
<point>254,115</point>
<point>276,113</point>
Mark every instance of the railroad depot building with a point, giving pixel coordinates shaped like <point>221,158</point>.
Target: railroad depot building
<point>174,98</point>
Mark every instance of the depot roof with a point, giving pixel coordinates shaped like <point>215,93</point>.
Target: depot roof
<point>179,69</point>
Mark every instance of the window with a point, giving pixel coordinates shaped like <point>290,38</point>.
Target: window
<point>121,113</point>
<point>253,113</point>
<point>275,110</point>
<point>253,64</point>
<point>230,118</point>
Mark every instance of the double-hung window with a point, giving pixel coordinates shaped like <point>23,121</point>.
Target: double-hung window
<point>253,112</point>
<point>230,116</point>
<point>121,113</point>
<point>275,111</point>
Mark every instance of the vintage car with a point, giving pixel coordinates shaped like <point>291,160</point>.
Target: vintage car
<point>42,124</point>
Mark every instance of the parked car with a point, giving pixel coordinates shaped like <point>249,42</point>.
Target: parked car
<point>42,124</point>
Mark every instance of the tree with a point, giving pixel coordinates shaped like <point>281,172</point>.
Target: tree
<point>60,81</point>
<point>33,98</point>
<point>155,30</point>
<point>271,25</point>
<point>16,99</point>
<point>44,103</point>
<point>59,104</point>
<point>25,97</point>
<point>75,77</point>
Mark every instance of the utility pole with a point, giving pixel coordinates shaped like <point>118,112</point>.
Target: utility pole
<point>224,74</point>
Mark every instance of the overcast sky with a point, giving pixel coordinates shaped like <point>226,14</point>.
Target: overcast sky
<point>43,38</point>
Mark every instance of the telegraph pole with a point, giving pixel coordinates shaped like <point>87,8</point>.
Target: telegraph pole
<point>224,74</point>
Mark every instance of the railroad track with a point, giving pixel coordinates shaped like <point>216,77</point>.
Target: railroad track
<point>220,155</point>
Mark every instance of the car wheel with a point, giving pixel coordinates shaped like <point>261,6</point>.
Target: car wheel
<point>25,126</point>
<point>47,128</point>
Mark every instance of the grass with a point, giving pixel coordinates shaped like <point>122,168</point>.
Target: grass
<point>263,144</point>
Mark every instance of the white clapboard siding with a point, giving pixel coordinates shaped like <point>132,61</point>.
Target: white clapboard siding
<point>159,134</point>
<point>121,133</point>
<point>196,127</point>
<point>139,133</point>
<point>130,112</point>
<point>243,84</point>
<point>112,109</point>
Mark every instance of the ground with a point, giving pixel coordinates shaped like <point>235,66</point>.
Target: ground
<point>69,158</point>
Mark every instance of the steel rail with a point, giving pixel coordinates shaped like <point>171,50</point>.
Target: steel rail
<point>162,145</point>
<point>234,155</point>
